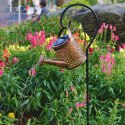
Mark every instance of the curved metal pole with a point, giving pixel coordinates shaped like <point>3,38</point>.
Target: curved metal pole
<point>87,49</point>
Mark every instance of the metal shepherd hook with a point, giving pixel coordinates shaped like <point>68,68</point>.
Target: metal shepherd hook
<point>87,49</point>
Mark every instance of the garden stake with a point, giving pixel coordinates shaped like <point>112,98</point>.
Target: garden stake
<point>69,54</point>
<point>87,51</point>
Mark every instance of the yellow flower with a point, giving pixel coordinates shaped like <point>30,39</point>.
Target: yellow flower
<point>113,55</point>
<point>11,115</point>
<point>0,114</point>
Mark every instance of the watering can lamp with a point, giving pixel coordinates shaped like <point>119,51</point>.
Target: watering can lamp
<point>69,54</point>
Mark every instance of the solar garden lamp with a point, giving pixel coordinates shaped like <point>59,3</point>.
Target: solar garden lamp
<point>69,54</point>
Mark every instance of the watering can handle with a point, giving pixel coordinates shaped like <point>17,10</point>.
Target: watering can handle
<point>60,32</point>
<point>69,29</point>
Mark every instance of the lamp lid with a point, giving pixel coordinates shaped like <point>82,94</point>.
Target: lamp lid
<point>61,41</point>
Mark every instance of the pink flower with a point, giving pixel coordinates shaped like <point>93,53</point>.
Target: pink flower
<point>29,36</point>
<point>43,37</point>
<point>110,27</point>
<point>116,37</point>
<point>15,60</point>
<point>109,72</point>
<point>72,88</point>
<point>2,64</point>
<point>107,63</point>
<point>38,39</point>
<point>70,110</point>
<point>80,105</point>
<point>106,27</point>
<point>114,28</point>
<point>113,35</point>
<point>103,70</point>
<point>100,30</point>
<point>83,104</point>
<point>101,57</point>
<point>119,48</point>
<point>67,93</point>
<point>103,25</point>
<point>32,72</point>
<point>37,34</point>
<point>107,57</point>
<point>123,46</point>
<point>42,32</point>
<point>123,105</point>
<point>112,61</point>
<point>33,42</point>
<point>1,72</point>
<point>108,48</point>
<point>49,46</point>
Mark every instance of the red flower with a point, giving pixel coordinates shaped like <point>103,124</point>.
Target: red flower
<point>91,50</point>
<point>6,54</point>
<point>113,49</point>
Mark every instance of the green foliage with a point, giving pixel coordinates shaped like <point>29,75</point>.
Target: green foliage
<point>120,1</point>
<point>15,2</point>
<point>92,2</point>
<point>76,1</point>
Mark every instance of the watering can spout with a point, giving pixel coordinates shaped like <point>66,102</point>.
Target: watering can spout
<point>54,62</point>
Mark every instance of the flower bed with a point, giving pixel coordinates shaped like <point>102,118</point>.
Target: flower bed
<point>51,95</point>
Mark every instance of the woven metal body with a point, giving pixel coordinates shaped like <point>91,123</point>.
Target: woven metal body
<point>71,53</point>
